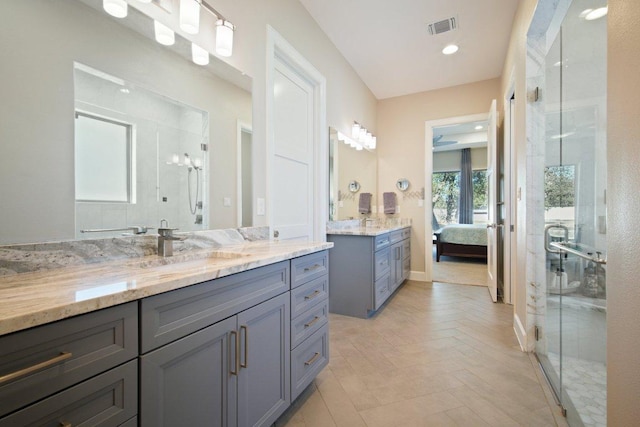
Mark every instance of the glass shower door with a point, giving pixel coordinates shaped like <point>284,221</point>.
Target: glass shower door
<point>573,351</point>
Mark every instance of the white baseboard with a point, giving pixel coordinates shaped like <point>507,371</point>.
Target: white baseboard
<point>521,333</point>
<point>418,276</point>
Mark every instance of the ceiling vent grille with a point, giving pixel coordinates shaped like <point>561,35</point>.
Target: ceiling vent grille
<point>443,26</point>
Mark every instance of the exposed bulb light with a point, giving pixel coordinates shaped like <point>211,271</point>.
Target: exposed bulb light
<point>224,37</point>
<point>199,55</point>
<point>145,1</point>
<point>362,135</point>
<point>359,148</point>
<point>190,16</point>
<point>116,8</point>
<point>355,130</point>
<point>450,49</point>
<point>164,35</point>
<point>596,13</point>
<point>374,141</point>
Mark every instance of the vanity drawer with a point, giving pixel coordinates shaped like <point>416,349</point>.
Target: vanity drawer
<point>406,249</point>
<point>381,290</point>
<point>172,315</point>
<point>406,233</point>
<point>110,399</point>
<point>67,352</point>
<point>382,263</point>
<point>307,323</point>
<point>396,236</point>
<point>308,267</point>
<point>382,241</point>
<point>308,359</point>
<point>309,295</point>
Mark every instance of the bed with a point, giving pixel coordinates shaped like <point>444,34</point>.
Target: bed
<point>462,240</point>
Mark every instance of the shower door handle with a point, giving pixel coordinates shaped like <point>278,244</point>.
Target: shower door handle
<point>547,237</point>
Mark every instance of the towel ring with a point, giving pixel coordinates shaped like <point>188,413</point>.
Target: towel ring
<point>354,186</point>
<point>402,184</point>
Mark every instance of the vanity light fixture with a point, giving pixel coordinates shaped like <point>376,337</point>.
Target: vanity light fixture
<point>164,35</point>
<point>360,138</point>
<point>116,8</point>
<point>190,16</point>
<point>355,130</point>
<point>199,55</point>
<point>224,37</point>
<point>145,1</point>
<point>450,49</point>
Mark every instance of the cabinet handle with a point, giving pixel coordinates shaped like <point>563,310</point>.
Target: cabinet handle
<point>37,367</point>
<point>313,359</point>
<point>246,346</point>
<point>313,295</point>
<point>315,319</point>
<point>65,424</point>
<point>237,355</point>
<point>314,267</point>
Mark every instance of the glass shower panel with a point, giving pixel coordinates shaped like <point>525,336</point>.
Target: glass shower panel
<point>573,349</point>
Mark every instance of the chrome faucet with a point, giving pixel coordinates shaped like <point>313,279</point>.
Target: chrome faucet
<point>166,239</point>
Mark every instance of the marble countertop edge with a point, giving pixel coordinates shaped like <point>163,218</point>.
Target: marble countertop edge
<point>37,298</point>
<point>365,231</point>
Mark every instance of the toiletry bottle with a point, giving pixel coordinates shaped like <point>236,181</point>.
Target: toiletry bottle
<point>590,281</point>
<point>564,279</point>
<point>601,275</point>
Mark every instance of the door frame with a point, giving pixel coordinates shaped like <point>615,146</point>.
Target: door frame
<point>428,178</point>
<point>509,243</point>
<point>279,50</point>
<point>241,127</point>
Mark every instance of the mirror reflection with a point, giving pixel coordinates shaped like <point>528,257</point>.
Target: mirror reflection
<point>118,128</point>
<point>347,165</point>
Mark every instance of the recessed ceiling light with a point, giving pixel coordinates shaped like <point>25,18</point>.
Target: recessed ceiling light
<point>450,49</point>
<point>479,127</point>
<point>596,13</point>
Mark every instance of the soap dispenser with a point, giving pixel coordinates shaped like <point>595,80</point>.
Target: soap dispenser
<point>590,280</point>
<point>601,276</point>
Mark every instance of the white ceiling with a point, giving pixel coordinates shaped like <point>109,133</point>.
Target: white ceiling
<point>389,45</point>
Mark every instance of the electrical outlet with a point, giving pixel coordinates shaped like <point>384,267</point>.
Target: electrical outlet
<point>260,206</point>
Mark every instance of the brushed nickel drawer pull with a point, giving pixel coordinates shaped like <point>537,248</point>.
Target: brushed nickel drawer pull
<point>37,367</point>
<point>246,346</point>
<point>312,360</point>
<point>313,295</point>
<point>237,355</point>
<point>314,267</point>
<point>315,319</point>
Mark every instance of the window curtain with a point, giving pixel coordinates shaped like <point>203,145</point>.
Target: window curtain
<point>465,205</point>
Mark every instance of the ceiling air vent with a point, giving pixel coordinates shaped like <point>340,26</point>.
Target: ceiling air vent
<point>443,26</point>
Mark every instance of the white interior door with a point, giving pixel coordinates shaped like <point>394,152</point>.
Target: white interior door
<point>492,198</point>
<point>292,169</point>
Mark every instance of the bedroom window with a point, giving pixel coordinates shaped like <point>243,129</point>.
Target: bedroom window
<point>446,193</point>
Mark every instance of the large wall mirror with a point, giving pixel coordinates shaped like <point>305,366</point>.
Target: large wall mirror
<point>346,167</point>
<point>102,127</point>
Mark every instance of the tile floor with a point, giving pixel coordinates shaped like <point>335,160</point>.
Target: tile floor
<point>435,355</point>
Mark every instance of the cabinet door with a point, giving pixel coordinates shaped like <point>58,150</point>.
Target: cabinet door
<point>190,381</point>
<point>396,265</point>
<point>264,377</point>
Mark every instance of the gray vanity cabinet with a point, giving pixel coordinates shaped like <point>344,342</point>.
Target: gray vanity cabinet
<point>235,372</point>
<point>227,359</point>
<point>366,270</point>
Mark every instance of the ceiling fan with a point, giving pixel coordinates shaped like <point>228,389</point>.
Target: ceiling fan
<point>438,142</point>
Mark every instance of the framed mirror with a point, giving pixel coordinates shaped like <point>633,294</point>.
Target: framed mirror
<point>181,125</point>
<point>402,184</point>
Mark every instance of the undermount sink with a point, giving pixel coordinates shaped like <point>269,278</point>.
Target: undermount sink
<point>221,255</point>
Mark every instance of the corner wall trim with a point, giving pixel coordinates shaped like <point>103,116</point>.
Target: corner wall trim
<point>521,333</point>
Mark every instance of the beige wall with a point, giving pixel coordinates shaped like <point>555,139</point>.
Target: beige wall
<point>401,144</point>
<point>623,157</point>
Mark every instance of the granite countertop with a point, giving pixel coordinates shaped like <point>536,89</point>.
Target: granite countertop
<point>39,297</point>
<point>366,231</point>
